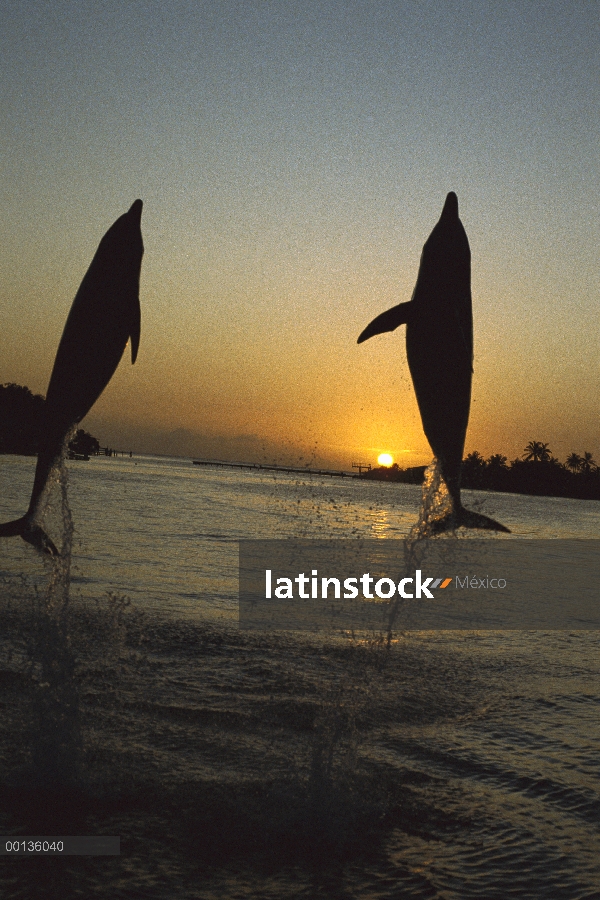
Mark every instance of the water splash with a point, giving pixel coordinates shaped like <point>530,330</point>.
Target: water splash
<point>56,732</point>
<point>436,507</point>
<point>334,740</point>
<point>436,503</point>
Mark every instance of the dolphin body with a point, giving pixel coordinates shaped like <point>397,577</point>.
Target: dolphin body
<point>439,347</point>
<point>104,315</point>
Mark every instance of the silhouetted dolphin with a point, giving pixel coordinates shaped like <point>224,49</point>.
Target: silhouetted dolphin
<point>104,315</point>
<point>439,347</point>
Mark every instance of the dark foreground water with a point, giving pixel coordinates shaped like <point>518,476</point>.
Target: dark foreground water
<point>236,764</point>
<point>245,764</point>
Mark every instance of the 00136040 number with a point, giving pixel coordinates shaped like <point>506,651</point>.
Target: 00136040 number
<point>34,846</point>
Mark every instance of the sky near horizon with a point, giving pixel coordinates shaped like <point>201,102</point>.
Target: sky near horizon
<point>292,158</point>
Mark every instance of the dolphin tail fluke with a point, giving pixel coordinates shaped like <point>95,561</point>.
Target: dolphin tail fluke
<point>387,321</point>
<point>30,532</point>
<point>37,537</point>
<point>465,518</point>
<point>11,529</point>
<point>470,519</point>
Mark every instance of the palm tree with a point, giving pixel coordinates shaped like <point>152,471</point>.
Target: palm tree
<point>587,463</point>
<point>475,458</point>
<point>574,462</point>
<point>474,463</point>
<point>473,468</point>
<point>496,470</point>
<point>535,451</point>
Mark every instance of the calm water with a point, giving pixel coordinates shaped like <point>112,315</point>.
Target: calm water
<point>241,764</point>
<point>165,532</point>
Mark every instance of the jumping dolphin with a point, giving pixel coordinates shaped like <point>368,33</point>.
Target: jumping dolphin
<point>439,347</point>
<point>105,314</point>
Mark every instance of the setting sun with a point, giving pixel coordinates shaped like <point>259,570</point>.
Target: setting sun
<point>384,459</point>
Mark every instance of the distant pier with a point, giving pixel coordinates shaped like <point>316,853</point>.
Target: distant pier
<point>259,467</point>
<point>108,451</point>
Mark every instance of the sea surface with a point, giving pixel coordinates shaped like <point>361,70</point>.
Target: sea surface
<point>273,765</point>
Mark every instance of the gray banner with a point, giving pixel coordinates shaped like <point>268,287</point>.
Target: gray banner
<point>447,584</point>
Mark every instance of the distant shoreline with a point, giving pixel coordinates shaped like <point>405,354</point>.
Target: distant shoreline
<point>533,479</point>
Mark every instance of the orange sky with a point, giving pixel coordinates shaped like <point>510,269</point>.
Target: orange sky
<point>292,162</point>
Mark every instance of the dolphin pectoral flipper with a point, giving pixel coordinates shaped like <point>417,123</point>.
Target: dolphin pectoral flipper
<point>387,321</point>
<point>134,215</point>
<point>134,333</point>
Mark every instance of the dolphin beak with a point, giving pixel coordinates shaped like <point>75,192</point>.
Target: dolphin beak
<point>450,206</point>
<point>136,212</point>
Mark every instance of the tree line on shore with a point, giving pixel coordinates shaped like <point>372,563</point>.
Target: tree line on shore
<point>20,421</point>
<point>537,471</point>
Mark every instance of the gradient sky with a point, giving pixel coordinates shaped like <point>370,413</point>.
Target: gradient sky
<point>293,157</point>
